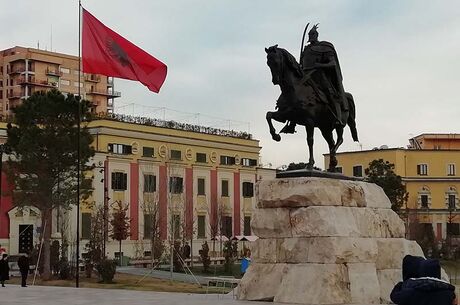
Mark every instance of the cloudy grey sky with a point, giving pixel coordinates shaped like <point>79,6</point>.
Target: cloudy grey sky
<point>400,59</point>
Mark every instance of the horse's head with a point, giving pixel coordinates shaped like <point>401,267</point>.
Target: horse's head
<point>279,61</point>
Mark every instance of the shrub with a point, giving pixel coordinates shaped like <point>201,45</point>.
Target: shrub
<point>106,269</point>
<point>64,269</point>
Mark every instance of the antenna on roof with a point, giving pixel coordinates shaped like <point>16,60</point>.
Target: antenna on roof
<point>38,44</point>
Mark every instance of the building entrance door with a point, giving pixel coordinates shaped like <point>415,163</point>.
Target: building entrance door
<point>26,238</point>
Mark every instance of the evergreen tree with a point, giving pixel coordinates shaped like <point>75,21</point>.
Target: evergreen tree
<point>43,162</point>
<point>382,173</point>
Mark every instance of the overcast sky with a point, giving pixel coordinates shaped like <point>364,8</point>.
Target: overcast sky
<point>399,59</point>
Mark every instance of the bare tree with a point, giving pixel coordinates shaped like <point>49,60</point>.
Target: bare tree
<point>120,223</point>
<point>151,209</point>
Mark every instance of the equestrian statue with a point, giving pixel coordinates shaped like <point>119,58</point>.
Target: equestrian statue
<point>312,94</point>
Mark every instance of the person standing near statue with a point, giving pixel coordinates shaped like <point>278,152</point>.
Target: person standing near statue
<point>4,269</point>
<point>24,266</point>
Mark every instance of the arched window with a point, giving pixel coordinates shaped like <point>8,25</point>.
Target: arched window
<point>451,198</point>
<point>424,197</point>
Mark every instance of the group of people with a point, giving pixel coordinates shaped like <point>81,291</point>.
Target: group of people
<point>23,263</point>
<point>422,284</point>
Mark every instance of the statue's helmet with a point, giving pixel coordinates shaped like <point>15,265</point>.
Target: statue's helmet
<point>313,33</point>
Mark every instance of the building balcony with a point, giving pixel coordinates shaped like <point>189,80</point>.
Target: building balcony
<point>108,93</point>
<point>53,72</point>
<point>17,70</point>
<point>32,81</point>
<point>92,78</point>
<point>15,94</point>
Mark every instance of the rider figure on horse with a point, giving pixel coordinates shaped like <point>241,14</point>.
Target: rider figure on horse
<point>320,63</point>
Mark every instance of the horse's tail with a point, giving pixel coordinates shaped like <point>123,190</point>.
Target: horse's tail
<point>351,117</point>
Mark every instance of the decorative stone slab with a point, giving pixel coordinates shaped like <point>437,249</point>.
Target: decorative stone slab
<point>261,282</point>
<point>314,284</point>
<point>325,221</point>
<point>344,221</point>
<point>315,250</point>
<point>391,252</point>
<point>271,223</point>
<point>304,192</point>
<point>364,285</point>
<point>387,280</point>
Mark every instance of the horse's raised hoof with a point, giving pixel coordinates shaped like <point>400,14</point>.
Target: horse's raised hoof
<point>276,137</point>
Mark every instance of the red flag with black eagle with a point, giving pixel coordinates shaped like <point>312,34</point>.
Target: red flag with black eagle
<point>107,53</point>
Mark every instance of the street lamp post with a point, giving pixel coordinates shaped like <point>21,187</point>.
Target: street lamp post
<point>2,150</point>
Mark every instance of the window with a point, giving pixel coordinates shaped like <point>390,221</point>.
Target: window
<point>226,160</point>
<point>201,226</point>
<point>227,226</point>
<point>65,82</point>
<point>85,225</point>
<point>120,149</point>
<point>150,183</point>
<point>248,162</point>
<point>451,201</point>
<point>1,94</point>
<point>247,226</point>
<point>224,188</point>
<point>147,152</point>
<point>422,169</point>
<point>338,169</point>
<point>424,201</point>
<point>175,185</point>
<point>64,70</point>
<point>176,154</point>
<point>200,157</point>
<point>11,82</point>
<point>119,181</point>
<point>453,228</point>
<point>450,169</point>
<point>147,226</point>
<point>1,83</point>
<point>201,186</point>
<point>248,189</point>
<point>357,171</point>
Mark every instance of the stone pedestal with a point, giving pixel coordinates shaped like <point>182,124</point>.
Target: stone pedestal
<point>324,241</point>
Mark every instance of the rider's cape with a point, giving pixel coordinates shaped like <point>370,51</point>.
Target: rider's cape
<point>334,75</point>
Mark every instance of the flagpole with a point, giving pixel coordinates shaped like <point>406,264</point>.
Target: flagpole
<point>77,275</point>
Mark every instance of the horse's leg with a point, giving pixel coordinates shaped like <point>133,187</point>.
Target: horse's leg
<point>339,131</point>
<point>327,135</point>
<point>274,115</point>
<point>310,128</point>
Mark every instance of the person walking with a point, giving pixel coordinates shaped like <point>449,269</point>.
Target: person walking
<point>4,269</point>
<point>23,263</point>
<point>422,284</point>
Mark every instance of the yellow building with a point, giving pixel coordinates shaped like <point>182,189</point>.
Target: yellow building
<point>25,70</point>
<point>200,179</point>
<point>428,168</point>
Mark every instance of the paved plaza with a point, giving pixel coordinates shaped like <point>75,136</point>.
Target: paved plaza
<point>45,295</point>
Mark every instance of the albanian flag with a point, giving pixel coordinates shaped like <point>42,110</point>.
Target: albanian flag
<point>107,53</point>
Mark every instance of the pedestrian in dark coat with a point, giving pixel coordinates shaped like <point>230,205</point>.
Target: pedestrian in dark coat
<point>422,284</point>
<point>4,269</point>
<point>23,263</point>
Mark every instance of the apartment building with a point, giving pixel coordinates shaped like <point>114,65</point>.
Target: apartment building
<point>24,71</point>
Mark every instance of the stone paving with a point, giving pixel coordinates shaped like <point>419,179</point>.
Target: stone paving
<point>45,295</point>
<point>160,274</point>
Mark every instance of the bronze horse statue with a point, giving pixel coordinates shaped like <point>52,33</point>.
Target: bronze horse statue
<point>302,103</point>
